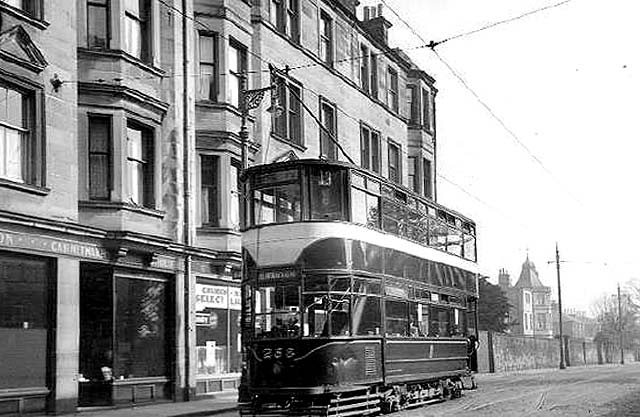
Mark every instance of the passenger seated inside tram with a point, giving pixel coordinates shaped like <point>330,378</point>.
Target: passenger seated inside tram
<point>414,331</point>
<point>339,324</point>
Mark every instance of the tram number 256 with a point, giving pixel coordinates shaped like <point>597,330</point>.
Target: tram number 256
<point>278,353</point>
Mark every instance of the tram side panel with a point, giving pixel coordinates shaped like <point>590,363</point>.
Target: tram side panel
<point>310,365</point>
<point>407,361</point>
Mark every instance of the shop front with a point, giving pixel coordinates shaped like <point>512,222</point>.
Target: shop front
<point>218,348</point>
<point>26,329</point>
<point>125,336</point>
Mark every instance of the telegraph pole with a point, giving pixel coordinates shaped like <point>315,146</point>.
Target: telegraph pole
<point>562,363</point>
<point>620,327</point>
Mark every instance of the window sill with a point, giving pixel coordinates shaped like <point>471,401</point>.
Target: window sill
<point>284,140</point>
<point>116,53</point>
<point>210,104</point>
<point>113,205</point>
<point>206,229</point>
<point>27,188</point>
<point>24,16</point>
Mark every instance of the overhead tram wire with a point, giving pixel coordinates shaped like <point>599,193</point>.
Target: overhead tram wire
<point>432,46</point>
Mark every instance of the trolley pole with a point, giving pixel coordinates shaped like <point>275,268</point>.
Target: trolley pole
<point>620,327</point>
<point>562,362</point>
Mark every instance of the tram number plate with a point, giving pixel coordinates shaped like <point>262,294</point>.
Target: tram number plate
<point>278,353</point>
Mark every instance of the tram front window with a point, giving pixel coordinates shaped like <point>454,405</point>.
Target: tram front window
<point>279,204</point>
<point>327,192</point>
<point>277,311</point>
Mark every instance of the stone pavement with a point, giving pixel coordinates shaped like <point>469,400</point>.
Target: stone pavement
<point>220,403</point>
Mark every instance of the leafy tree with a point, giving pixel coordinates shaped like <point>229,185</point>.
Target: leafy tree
<point>606,312</point>
<point>493,307</point>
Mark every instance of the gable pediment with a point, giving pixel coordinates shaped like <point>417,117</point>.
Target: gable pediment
<point>16,46</point>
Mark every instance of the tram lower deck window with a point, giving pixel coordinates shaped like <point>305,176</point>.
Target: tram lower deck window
<point>277,311</point>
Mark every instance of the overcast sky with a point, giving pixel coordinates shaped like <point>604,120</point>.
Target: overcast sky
<point>566,82</point>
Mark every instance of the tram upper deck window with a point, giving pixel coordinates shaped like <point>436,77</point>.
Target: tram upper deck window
<point>327,193</point>
<point>276,197</point>
<point>277,311</point>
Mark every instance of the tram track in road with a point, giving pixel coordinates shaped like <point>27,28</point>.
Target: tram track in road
<point>592,391</point>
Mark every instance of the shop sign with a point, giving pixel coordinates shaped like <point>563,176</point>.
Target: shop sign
<point>217,296</point>
<point>53,245</point>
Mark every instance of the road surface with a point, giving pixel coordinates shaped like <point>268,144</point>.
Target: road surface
<point>604,390</point>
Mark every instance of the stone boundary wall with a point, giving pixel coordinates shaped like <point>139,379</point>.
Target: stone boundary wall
<point>499,352</point>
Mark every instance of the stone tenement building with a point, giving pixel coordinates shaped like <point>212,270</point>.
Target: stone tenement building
<point>119,164</point>
<point>530,299</point>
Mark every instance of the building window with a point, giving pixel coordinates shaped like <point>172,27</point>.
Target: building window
<point>394,163</point>
<point>326,39</point>
<point>140,165</point>
<point>99,157</point>
<point>427,110</point>
<point>369,149</point>
<point>237,62</point>
<point>19,154</point>
<point>25,320</point>
<point>374,75</point>
<point>31,7</point>
<point>209,190</point>
<point>364,68</point>
<point>287,123</point>
<point>98,23</point>
<point>208,67</point>
<point>414,117</point>
<point>328,148</point>
<point>285,17</point>
<point>236,190</point>
<point>411,173</point>
<point>392,100</point>
<point>137,28</point>
<point>427,189</point>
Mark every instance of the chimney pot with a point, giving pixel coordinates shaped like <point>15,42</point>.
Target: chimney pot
<point>379,9</point>
<point>366,13</point>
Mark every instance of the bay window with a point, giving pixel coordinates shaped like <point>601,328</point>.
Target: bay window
<point>287,124</point>
<point>208,67</point>
<point>99,157</point>
<point>209,190</point>
<point>140,166</point>
<point>137,29</point>
<point>328,148</point>
<point>237,65</point>
<point>98,23</point>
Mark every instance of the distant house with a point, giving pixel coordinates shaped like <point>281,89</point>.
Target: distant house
<point>575,324</point>
<point>530,299</point>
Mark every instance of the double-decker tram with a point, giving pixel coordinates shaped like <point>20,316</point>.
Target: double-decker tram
<point>358,294</point>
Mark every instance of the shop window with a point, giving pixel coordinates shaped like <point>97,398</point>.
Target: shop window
<point>217,329</point>
<point>369,149</point>
<point>140,328</point>
<point>237,67</point>
<point>99,157</point>
<point>98,24</point>
<point>209,190</point>
<point>327,194</point>
<point>20,145</point>
<point>140,165</point>
<point>137,29</point>
<point>208,80</point>
<point>326,38</point>
<point>328,130</point>
<point>25,318</point>
<point>287,123</point>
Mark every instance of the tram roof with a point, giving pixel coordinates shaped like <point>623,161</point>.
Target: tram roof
<point>277,166</point>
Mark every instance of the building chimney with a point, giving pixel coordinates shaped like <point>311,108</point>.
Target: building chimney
<point>375,23</point>
<point>504,280</point>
